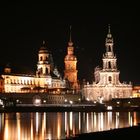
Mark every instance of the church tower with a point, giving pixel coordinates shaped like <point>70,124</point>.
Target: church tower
<point>70,72</point>
<point>109,60</point>
<point>45,62</point>
<point>107,84</point>
<point>109,73</point>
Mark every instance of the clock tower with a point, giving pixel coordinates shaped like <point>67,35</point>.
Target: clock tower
<point>70,72</point>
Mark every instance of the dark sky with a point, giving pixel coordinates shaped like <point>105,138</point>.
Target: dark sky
<point>23,27</point>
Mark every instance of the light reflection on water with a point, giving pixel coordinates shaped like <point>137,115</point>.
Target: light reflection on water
<point>60,125</point>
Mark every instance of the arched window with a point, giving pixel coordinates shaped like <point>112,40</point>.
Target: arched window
<point>41,58</point>
<point>40,70</point>
<point>109,79</point>
<point>46,70</point>
<point>109,48</point>
<point>109,64</point>
<point>46,58</point>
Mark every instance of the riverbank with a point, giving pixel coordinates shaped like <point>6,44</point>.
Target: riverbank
<point>35,102</point>
<point>54,108</point>
<point>114,134</point>
<point>65,108</point>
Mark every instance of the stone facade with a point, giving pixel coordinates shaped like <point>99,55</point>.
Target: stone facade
<point>107,84</point>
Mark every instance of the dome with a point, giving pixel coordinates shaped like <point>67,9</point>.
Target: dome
<point>70,57</point>
<point>43,48</point>
<point>70,43</point>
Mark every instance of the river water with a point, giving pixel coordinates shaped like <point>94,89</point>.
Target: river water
<point>61,125</point>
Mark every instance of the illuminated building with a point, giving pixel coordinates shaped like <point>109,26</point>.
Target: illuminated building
<point>136,91</point>
<point>46,77</point>
<point>107,85</point>
<point>70,72</point>
<point>1,84</point>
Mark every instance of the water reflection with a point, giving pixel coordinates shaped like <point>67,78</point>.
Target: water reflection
<point>60,125</point>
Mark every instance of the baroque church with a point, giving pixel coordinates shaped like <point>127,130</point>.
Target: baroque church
<point>107,84</point>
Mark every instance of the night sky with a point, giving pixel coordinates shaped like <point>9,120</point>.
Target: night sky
<point>23,27</point>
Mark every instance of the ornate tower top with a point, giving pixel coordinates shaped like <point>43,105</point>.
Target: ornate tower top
<point>109,32</point>
<point>109,41</point>
<point>45,61</point>
<point>70,43</point>
<point>43,42</point>
<point>70,48</point>
<point>109,59</point>
<point>43,48</point>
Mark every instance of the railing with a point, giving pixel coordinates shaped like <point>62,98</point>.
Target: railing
<point>56,105</point>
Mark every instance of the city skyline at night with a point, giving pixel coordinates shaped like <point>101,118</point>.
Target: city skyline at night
<point>23,28</point>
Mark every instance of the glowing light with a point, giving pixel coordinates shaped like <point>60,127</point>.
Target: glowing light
<point>87,122</point>
<point>71,102</point>
<point>135,118</point>
<point>0,122</point>
<point>109,107</point>
<point>58,126</point>
<point>102,121</point>
<point>95,120</point>
<point>44,125</point>
<point>91,121</point>
<point>31,127</point>
<point>44,101</point>
<point>117,119</point>
<point>17,101</point>
<point>110,119</point>
<point>71,120</point>
<point>66,124</point>
<point>95,102</point>
<point>49,137</point>
<point>18,126</point>
<point>66,100</point>
<point>36,122</point>
<point>118,102</point>
<point>66,121</point>
<point>6,132</point>
<point>100,99</point>
<point>1,102</point>
<point>130,119</point>
<point>79,121</point>
<point>37,101</point>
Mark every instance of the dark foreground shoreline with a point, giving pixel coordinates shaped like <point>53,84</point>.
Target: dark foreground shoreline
<point>114,134</point>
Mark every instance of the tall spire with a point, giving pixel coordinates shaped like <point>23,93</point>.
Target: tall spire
<point>109,29</point>
<point>109,42</point>
<point>70,43</point>
<point>43,42</point>
<point>109,38</point>
<point>70,34</point>
<point>109,32</point>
